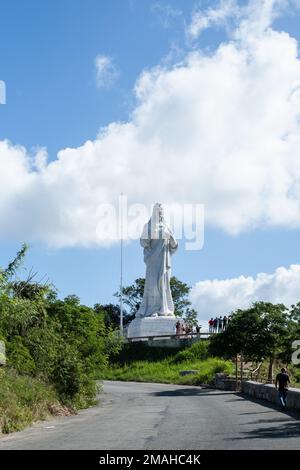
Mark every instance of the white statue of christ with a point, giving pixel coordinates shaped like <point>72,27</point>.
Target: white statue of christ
<point>159,244</point>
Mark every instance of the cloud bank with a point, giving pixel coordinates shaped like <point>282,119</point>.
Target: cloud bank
<point>219,128</point>
<point>220,297</point>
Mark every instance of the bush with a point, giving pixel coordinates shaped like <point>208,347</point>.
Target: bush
<point>74,385</point>
<point>68,348</point>
<point>19,357</point>
<point>207,371</point>
<point>53,343</point>
<point>138,351</point>
<point>23,399</point>
<point>296,374</point>
<point>198,351</point>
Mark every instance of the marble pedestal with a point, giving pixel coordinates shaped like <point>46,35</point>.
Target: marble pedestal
<point>152,326</point>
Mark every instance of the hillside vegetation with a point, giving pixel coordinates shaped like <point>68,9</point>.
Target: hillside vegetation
<point>141,363</point>
<point>55,350</point>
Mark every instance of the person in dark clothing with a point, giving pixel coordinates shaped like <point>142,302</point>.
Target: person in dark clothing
<point>281,384</point>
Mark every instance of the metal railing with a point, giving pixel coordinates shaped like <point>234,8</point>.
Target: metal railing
<point>173,336</point>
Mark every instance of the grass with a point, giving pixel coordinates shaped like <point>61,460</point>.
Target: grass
<point>142,363</point>
<point>24,400</point>
<point>164,372</point>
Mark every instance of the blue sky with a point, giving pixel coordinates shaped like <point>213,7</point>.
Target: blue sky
<point>47,60</point>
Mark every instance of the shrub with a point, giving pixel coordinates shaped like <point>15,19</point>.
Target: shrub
<point>53,343</point>
<point>198,351</point>
<point>19,357</point>
<point>23,399</point>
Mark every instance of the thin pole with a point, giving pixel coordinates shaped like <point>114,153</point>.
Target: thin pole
<point>242,370</point>
<point>121,269</point>
<point>236,373</point>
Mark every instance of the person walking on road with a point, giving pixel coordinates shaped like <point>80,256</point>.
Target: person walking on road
<point>281,384</point>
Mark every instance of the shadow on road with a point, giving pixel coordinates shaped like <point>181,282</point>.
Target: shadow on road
<point>271,406</point>
<point>283,419</point>
<point>287,430</point>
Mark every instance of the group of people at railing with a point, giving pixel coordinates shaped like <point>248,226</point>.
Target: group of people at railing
<point>183,329</point>
<point>215,325</point>
<point>218,324</point>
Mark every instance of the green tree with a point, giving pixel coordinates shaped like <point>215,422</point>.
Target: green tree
<point>111,315</point>
<point>259,332</point>
<point>191,317</point>
<point>18,316</point>
<point>293,334</point>
<point>295,314</point>
<point>15,264</point>
<point>61,341</point>
<point>132,297</point>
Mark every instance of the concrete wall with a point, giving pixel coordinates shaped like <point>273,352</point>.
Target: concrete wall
<point>172,342</point>
<point>268,392</point>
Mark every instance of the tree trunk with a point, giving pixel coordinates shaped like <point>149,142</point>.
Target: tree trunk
<point>242,370</point>
<point>270,374</point>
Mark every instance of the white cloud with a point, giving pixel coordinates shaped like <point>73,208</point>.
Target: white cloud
<point>221,129</point>
<point>106,71</point>
<point>166,13</point>
<point>219,297</point>
<point>218,15</point>
<point>238,18</point>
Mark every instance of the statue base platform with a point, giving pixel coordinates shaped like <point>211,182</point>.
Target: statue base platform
<point>152,326</point>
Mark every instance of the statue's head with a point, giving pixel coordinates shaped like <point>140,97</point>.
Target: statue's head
<point>158,212</point>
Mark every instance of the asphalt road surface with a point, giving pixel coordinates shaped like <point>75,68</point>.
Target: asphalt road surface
<point>153,416</point>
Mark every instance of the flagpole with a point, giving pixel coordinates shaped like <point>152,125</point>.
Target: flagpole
<point>121,268</point>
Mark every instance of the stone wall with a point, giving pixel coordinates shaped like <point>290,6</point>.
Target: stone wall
<point>223,382</point>
<point>268,392</point>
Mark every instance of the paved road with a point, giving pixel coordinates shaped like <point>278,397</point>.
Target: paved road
<point>154,416</point>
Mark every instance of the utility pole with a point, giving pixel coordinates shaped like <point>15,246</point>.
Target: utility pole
<point>121,267</point>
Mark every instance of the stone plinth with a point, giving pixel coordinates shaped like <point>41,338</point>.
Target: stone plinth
<point>152,326</point>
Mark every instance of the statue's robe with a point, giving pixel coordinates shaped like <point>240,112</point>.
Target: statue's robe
<point>159,244</point>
